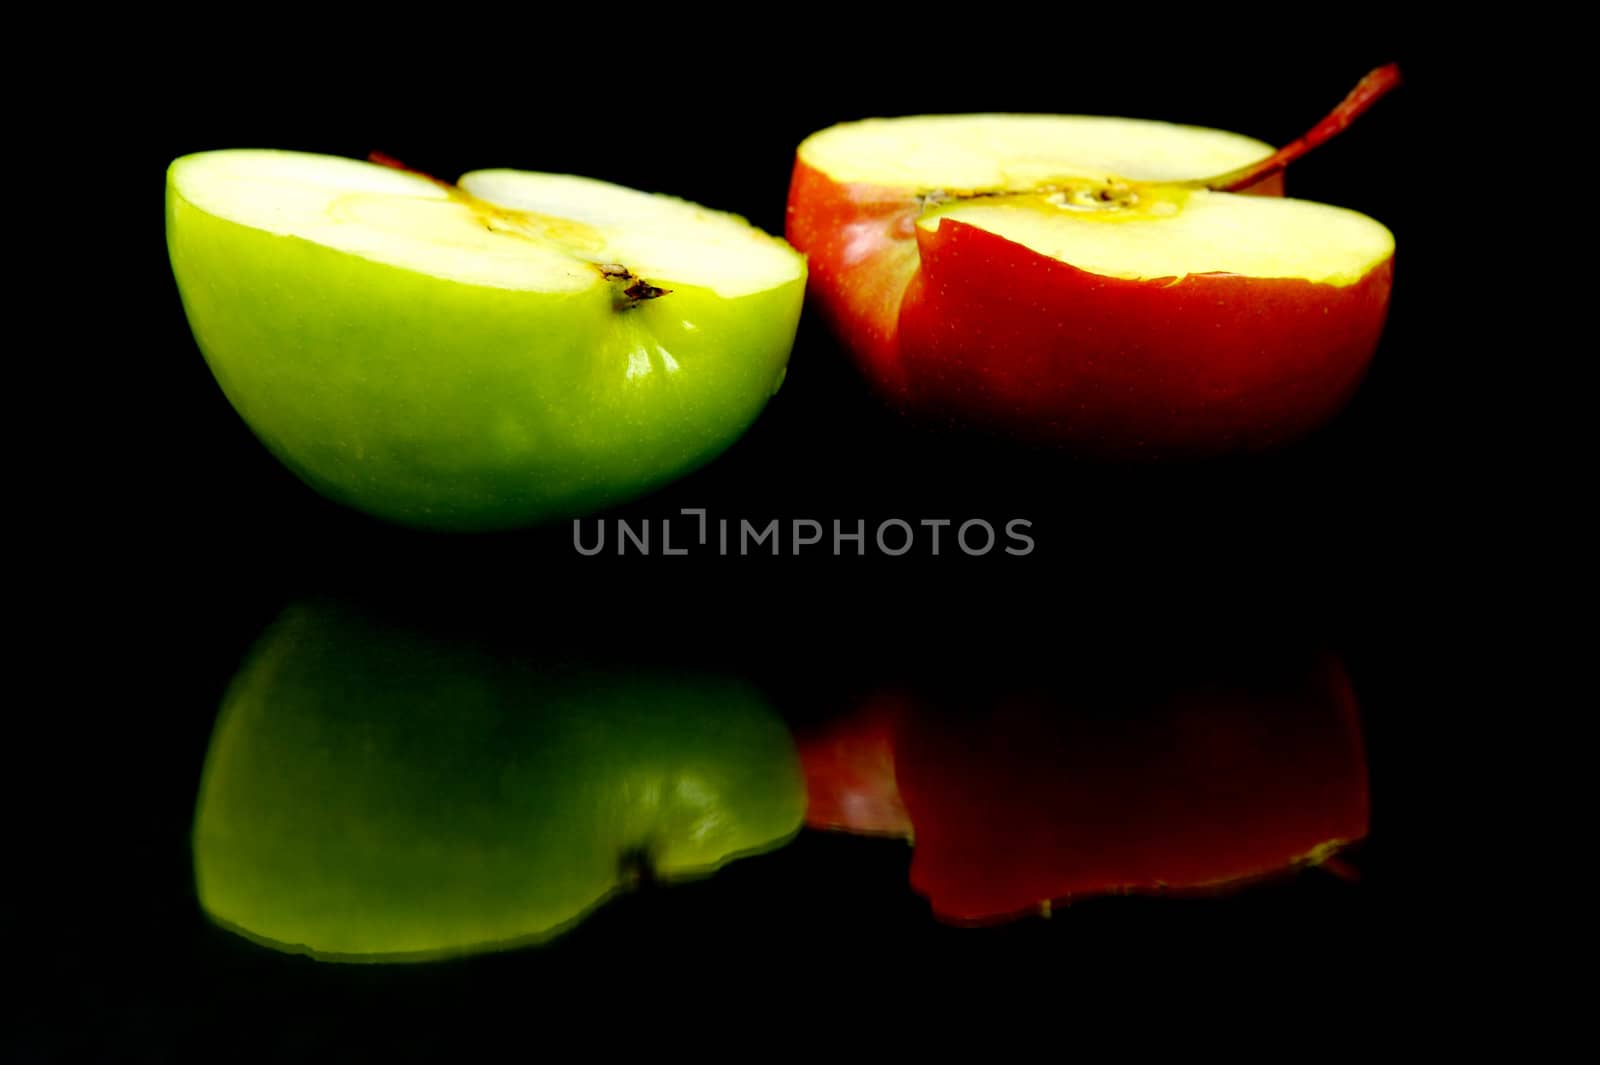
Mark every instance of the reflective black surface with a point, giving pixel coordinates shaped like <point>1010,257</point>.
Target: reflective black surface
<point>1141,581</point>
<point>144,959</point>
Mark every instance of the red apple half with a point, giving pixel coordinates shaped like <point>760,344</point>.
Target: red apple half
<point>1066,279</point>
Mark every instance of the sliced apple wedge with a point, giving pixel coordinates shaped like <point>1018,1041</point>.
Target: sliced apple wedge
<point>1176,232</point>
<point>518,348</point>
<point>1072,279</point>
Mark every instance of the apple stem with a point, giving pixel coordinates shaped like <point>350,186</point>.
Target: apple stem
<point>385,159</point>
<point>1369,91</point>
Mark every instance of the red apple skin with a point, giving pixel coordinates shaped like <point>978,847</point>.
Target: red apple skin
<point>849,768</point>
<point>994,333</point>
<point>1213,788</point>
<point>861,253</point>
<point>967,327</point>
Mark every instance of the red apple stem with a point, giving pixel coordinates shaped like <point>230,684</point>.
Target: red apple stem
<point>385,159</point>
<point>1369,91</point>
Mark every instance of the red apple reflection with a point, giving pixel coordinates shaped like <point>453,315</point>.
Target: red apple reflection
<point>1032,798</point>
<point>849,767</point>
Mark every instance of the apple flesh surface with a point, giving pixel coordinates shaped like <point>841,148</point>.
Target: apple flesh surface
<point>1051,278</point>
<point>519,348</point>
<point>375,792</point>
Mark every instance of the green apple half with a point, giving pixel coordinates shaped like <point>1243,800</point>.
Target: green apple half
<point>517,348</point>
<point>377,793</point>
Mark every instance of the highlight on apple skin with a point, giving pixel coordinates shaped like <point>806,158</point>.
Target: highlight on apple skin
<point>377,791</point>
<point>1080,282</point>
<point>849,768</point>
<point>513,349</point>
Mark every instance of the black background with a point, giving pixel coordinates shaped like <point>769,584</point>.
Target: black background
<point>204,538</point>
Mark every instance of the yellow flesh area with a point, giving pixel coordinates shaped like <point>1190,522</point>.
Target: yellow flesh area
<point>1208,232</point>
<point>406,220</point>
<point>972,152</point>
<point>1055,164</point>
<point>659,238</point>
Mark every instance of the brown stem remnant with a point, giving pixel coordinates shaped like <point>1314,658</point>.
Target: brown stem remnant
<point>1372,88</point>
<point>385,159</point>
<point>633,289</point>
<point>1117,193</point>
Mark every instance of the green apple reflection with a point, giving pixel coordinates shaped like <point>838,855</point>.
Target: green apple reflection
<point>376,793</point>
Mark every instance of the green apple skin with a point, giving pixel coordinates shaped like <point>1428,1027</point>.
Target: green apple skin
<point>376,794</point>
<point>443,405</point>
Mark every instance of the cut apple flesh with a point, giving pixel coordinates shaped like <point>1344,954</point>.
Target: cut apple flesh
<point>658,238</point>
<point>1175,233</point>
<point>1103,195</point>
<point>1020,152</point>
<point>501,229</point>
